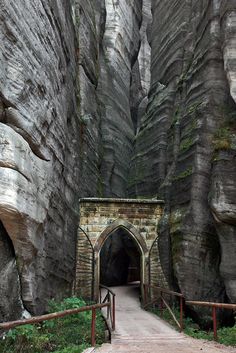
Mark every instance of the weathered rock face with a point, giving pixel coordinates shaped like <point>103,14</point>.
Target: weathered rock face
<point>38,141</point>
<point>80,117</point>
<point>11,305</point>
<point>109,39</point>
<point>119,51</point>
<point>185,147</point>
<point>66,127</point>
<point>89,20</point>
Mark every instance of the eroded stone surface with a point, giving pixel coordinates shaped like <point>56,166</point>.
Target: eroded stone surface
<point>179,152</point>
<point>38,142</point>
<point>66,128</point>
<point>11,305</point>
<point>77,119</point>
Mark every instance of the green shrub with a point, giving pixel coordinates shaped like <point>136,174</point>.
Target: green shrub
<point>186,144</point>
<point>184,174</point>
<point>70,334</point>
<point>223,139</point>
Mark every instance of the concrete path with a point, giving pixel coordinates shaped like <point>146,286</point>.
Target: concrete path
<point>138,331</point>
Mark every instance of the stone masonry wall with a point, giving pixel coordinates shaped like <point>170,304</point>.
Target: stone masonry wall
<point>99,218</point>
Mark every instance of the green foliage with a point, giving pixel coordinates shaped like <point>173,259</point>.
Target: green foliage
<point>184,174</point>
<point>222,140</point>
<point>70,334</point>
<point>194,107</point>
<point>226,335</point>
<point>176,117</point>
<point>186,144</point>
<point>192,126</point>
<point>72,349</point>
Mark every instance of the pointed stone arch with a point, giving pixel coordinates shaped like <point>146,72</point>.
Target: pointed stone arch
<point>130,228</point>
<point>136,236</point>
<point>101,217</point>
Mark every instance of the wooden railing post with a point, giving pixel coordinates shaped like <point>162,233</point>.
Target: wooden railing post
<point>114,312</point>
<point>111,307</point>
<point>161,304</point>
<point>181,314</point>
<point>93,328</point>
<point>214,322</point>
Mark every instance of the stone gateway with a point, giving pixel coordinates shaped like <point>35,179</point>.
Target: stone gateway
<point>99,218</point>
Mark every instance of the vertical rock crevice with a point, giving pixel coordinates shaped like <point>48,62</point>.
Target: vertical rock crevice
<point>120,47</point>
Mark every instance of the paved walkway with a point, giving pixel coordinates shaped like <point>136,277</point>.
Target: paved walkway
<point>138,331</point>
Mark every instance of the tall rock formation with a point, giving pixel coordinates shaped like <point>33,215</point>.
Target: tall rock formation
<point>109,42</point>
<point>89,20</point>
<point>39,165</point>
<point>66,131</point>
<point>185,148</point>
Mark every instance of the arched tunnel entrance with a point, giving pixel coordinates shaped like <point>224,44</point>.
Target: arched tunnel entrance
<point>133,224</point>
<point>120,259</point>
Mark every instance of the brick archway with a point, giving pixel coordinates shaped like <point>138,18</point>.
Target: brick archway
<point>138,239</point>
<point>121,223</point>
<point>98,219</point>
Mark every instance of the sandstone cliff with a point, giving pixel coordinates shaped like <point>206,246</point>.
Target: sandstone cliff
<point>109,98</point>
<point>66,131</point>
<point>109,43</point>
<point>185,148</point>
<point>39,132</point>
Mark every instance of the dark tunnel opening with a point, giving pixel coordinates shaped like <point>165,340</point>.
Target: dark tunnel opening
<point>120,260</point>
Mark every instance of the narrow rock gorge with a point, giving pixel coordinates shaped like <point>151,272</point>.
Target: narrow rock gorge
<point>116,98</point>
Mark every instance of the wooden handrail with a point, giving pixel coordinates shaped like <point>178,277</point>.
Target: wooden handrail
<point>167,291</point>
<point>214,306</point>
<point>37,319</point>
<point>211,304</point>
<point>108,289</point>
<point>111,310</point>
<point>163,301</point>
